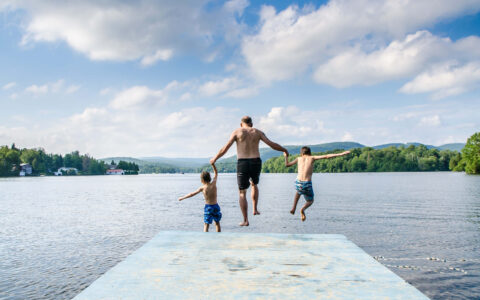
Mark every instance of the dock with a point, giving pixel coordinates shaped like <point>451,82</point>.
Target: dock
<point>197,265</point>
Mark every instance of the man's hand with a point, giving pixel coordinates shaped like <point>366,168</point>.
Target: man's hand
<point>180,199</point>
<point>285,154</point>
<point>346,152</point>
<point>212,161</point>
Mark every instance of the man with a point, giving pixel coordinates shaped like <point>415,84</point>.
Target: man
<point>249,164</point>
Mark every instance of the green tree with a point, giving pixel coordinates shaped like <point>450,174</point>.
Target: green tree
<point>471,154</point>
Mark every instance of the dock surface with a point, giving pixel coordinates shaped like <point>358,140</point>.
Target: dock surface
<point>197,265</point>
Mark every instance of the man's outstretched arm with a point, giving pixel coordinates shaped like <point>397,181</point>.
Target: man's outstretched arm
<point>289,164</point>
<point>271,144</point>
<point>215,172</point>
<point>224,148</point>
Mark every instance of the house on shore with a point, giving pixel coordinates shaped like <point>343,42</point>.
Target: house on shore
<point>66,171</point>
<point>115,172</point>
<point>25,169</point>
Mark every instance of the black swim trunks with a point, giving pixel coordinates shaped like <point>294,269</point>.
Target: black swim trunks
<point>248,168</point>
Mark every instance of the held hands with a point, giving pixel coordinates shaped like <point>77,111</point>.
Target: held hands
<point>212,161</point>
<point>346,152</point>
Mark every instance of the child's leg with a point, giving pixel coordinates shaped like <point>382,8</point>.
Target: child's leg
<point>295,201</point>
<point>217,226</point>
<point>302,211</point>
<point>205,227</point>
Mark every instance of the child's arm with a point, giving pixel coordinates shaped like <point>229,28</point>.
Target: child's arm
<point>289,164</point>
<point>215,172</point>
<point>331,155</point>
<point>191,194</point>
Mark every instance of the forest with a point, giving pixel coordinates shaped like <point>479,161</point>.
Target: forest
<point>45,164</point>
<point>392,159</point>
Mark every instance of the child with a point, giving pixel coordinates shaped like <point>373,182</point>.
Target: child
<point>209,189</point>
<point>303,183</point>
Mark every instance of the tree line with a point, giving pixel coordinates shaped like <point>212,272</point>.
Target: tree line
<point>45,164</point>
<point>392,159</point>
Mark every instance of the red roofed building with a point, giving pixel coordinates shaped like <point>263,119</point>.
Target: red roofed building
<point>115,172</point>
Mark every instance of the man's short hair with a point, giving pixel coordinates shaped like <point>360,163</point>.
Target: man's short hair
<point>247,120</point>
<point>306,151</point>
<point>205,177</point>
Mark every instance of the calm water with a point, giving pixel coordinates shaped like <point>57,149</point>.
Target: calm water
<point>59,234</point>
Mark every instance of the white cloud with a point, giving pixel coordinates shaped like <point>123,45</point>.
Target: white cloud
<point>105,91</point>
<point>9,86</point>
<point>352,42</point>
<point>57,86</point>
<point>159,55</point>
<point>430,121</point>
<point>213,88</point>
<point>445,80</point>
<point>146,30</point>
<point>54,87</point>
<point>72,89</point>
<point>347,137</point>
<point>400,59</point>
<point>293,125</point>
<point>233,87</point>
<point>200,132</point>
<point>37,89</point>
<point>137,96</point>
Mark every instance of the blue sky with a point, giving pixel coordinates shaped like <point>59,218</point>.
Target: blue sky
<point>171,78</point>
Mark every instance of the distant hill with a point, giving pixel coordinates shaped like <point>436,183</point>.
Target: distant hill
<point>180,162</point>
<point>401,145</point>
<point>127,159</point>
<point>159,164</point>
<point>453,147</point>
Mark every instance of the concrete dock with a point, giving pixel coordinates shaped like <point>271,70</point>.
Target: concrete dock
<point>196,265</point>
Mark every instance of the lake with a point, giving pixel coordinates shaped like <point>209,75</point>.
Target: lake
<point>59,234</point>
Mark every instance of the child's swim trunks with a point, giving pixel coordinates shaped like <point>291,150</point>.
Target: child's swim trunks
<point>212,212</point>
<point>304,188</point>
<point>248,168</point>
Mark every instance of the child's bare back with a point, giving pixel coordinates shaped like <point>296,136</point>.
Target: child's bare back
<point>210,192</point>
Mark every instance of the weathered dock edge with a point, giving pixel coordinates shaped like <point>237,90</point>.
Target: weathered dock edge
<point>196,265</point>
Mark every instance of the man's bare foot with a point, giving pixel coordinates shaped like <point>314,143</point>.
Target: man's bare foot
<point>256,212</point>
<point>243,224</point>
<point>292,212</point>
<point>303,215</point>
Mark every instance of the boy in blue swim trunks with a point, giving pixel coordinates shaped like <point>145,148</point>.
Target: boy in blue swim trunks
<point>212,209</point>
<point>303,184</point>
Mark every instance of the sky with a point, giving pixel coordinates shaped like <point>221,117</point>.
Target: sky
<point>173,78</point>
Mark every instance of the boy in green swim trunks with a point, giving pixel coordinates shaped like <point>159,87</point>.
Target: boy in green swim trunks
<point>303,184</point>
<point>212,209</point>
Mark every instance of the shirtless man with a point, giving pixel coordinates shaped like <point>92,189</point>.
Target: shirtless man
<point>249,164</point>
<point>303,184</point>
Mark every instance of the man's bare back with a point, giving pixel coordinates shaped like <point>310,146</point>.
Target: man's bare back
<point>247,140</point>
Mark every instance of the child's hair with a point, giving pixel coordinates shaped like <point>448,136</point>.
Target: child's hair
<point>205,177</point>
<point>306,151</point>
